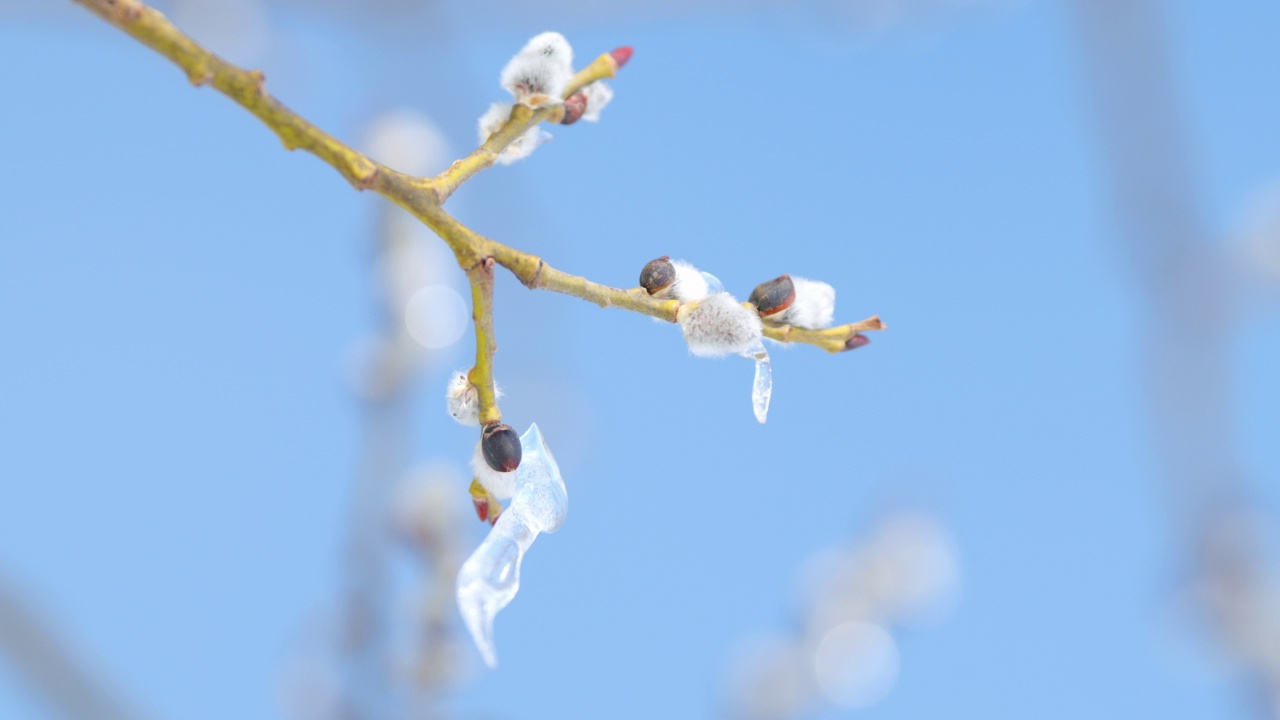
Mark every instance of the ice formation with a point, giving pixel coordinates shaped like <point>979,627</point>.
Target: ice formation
<point>762,386</point>
<point>490,578</point>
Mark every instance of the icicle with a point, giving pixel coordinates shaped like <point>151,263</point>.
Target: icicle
<point>490,578</point>
<point>762,387</point>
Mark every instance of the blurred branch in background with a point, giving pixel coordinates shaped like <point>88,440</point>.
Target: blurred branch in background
<point>841,649</point>
<point>40,658</point>
<point>1186,282</point>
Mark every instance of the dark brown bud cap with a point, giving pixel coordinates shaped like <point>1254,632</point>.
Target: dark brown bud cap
<point>857,341</point>
<point>771,298</point>
<point>658,275</point>
<point>574,107</point>
<point>501,447</point>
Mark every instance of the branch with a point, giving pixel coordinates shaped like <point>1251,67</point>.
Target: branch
<point>422,197</point>
<point>834,340</point>
<point>46,664</point>
<point>481,277</point>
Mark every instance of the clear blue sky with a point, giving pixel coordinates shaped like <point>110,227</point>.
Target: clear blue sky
<point>180,300</point>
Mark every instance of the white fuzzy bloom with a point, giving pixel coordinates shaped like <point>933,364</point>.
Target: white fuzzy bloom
<point>719,325</point>
<point>493,120</point>
<point>814,306</point>
<point>540,71</point>
<point>598,95</point>
<point>501,485</point>
<point>690,284</point>
<point>463,399</point>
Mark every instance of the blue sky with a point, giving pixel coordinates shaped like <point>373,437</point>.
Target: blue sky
<point>180,302</point>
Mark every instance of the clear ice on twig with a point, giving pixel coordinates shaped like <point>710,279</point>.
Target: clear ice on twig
<point>490,578</point>
<point>762,387</point>
<point>713,283</point>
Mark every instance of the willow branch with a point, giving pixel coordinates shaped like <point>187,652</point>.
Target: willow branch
<point>522,119</point>
<point>834,340</point>
<point>481,277</point>
<point>422,197</point>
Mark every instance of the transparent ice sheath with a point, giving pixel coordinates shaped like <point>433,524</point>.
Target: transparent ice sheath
<point>713,283</point>
<point>762,387</point>
<point>490,578</point>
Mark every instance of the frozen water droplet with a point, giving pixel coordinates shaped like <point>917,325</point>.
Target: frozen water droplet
<point>762,386</point>
<point>713,283</point>
<point>490,578</point>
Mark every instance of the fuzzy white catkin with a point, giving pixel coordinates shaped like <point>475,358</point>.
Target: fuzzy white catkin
<point>493,120</point>
<point>542,68</point>
<point>814,306</point>
<point>598,95</point>
<point>501,485</point>
<point>719,325</point>
<point>690,284</point>
<point>462,399</point>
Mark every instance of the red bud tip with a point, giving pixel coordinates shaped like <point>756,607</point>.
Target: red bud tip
<point>857,341</point>
<point>574,107</point>
<point>621,55</point>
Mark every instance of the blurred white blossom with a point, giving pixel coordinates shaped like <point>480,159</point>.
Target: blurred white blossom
<point>598,95</point>
<point>407,141</point>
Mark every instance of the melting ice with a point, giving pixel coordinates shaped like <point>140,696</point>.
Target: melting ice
<point>490,578</point>
<point>762,387</point>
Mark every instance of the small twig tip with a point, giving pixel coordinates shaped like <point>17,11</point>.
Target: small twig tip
<point>621,55</point>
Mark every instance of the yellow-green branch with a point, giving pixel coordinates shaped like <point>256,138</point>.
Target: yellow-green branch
<point>419,196</point>
<point>481,277</point>
<point>835,339</point>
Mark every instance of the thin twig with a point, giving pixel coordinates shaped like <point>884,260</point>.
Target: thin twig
<point>481,277</point>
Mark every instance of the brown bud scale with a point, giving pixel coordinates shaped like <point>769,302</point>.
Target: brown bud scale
<point>658,275</point>
<point>501,447</point>
<point>774,296</point>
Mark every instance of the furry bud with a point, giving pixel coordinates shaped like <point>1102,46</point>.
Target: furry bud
<point>719,325</point>
<point>501,447</point>
<point>774,296</point>
<point>658,275</point>
<point>541,70</point>
<point>463,399</point>
<point>815,304</point>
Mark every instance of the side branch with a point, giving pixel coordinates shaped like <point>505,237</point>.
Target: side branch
<point>154,30</point>
<point>833,340</point>
<point>481,277</point>
<point>522,118</point>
